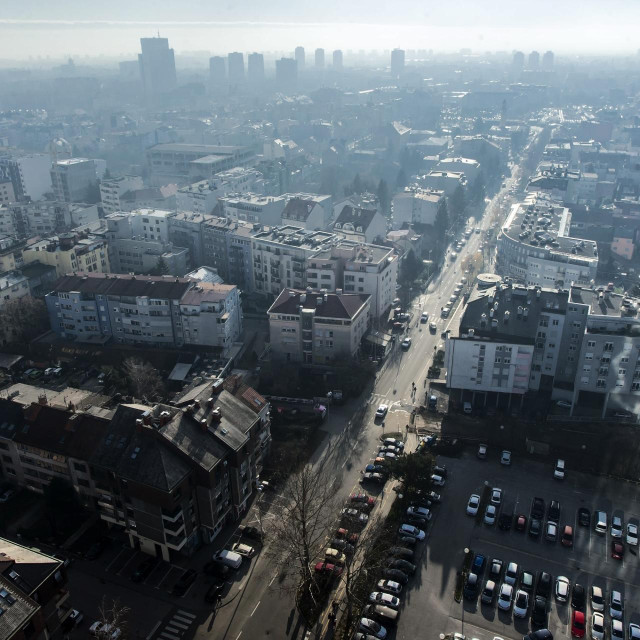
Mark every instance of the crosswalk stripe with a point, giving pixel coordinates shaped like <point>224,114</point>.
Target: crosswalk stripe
<point>186,614</point>
<point>172,629</point>
<point>181,622</point>
<point>164,634</point>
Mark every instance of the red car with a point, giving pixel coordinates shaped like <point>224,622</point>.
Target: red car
<point>363,498</point>
<point>521,523</point>
<point>577,624</point>
<point>343,534</point>
<point>617,550</point>
<point>327,567</point>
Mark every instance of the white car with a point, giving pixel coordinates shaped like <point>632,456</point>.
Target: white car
<point>496,496</point>
<point>617,630</point>
<point>386,599</point>
<point>473,505</point>
<point>105,630</point>
<point>562,588</point>
<point>367,625</point>
<point>616,527</point>
<point>632,534</point>
<point>424,318</point>
<point>76,617</point>
<point>505,458</point>
<point>406,343</point>
<point>381,412</point>
<point>437,480</point>
<point>419,512</point>
<point>634,632</point>
<point>505,597</point>
<point>243,549</point>
<point>616,605</point>
<point>597,626</point>
<point>490,515</point>
<point>521,604</point>
<point>390,586</point>
<point>511,574</point>
<point>597,598</point>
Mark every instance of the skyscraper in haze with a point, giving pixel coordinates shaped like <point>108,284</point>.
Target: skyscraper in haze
<point>157,66</point>
<point>286,72</point>
<point>397,62</point>
<point>337,60</point>
<point>217,70</point>
<point>518,59</point>
<point>255,67</point>
<point>299,55</point>
<point>319,58</point>
<point>534,60</point>
<point>547,60</point>
<point>235,63</point>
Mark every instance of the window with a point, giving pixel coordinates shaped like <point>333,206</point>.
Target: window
<point>635,386</point>
<point>588,356</point>
<point>624,359</point>
<point>622,372</point>
<point>601,383</point>
<point>591,343</point>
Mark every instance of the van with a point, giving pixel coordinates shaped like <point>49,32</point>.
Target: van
<point>228,558</point>
<point>558,473</point>
<point>433,403</point>
<point>601,522</point>
<point>466,407</point>
<point>445,312</point>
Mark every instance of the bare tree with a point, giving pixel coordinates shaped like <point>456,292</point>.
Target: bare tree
<point>300,530</point>
<point>23,319</point>
<point>144,379</point>
<point>113,615</point>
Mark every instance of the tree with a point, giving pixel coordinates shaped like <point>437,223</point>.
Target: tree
<point>457,204</point>
<point>23,319</point>
<point>401,179</point>
<point>299,532</point>
<point>383,196</point>
<point>413,470</point>
<point>113,615</point>
<point>161,268</point>
<point>478,190</point>
<point>441,223</point>
<point>144,379</point>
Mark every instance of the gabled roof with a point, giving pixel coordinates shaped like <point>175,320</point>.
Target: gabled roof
<point>298,209</point>
<point>356,216</point>
<point>332,305</point>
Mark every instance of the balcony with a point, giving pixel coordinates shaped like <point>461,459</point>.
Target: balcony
<point>172,516</point>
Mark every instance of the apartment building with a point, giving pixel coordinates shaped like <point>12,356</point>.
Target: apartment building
<point>186,230</point>
<point>34,594</point>
<point>253,208</point>
<point>535,247</point>
<point>510,341</point>
<point>170,477</point>
<point>30,175</point>
<point>416,206</point>
<point>45,217</point>
<point>318,207</point>
<point>317,328</point>
<point>145,310</point>
<point>73,178</point>
<point>70,252</point>
<point>227,246</point>
<point>211,315</point>
<point>356,268</point>
<point>13,286</point>
<point>200,197</point>
<point>469,167</point>
<point>361,224</point>
<point>7,193</point>
<point>111,191</point>
<point>447,181</point>
<point>186,163</point>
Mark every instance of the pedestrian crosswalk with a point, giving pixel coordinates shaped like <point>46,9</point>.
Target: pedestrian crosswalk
<point>177,626</point>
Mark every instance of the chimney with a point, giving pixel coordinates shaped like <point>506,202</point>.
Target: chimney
<point>164,418</point>
<point>520,311</point>
<point>303,297</point>
<point>203,424</point>
<point>525,312</point>
<point>210,402</point>
<point>139,425</point>
<point>42,399</point>
<point>339,292</point>
<point>146,417</point>
<point>507,315</point>
<point>483,320</point>
<point>216,415</point>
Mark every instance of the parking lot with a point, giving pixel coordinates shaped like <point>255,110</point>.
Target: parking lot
<point>588,562</point>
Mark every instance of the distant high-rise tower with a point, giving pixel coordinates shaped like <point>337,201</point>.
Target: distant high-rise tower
<point>547,60</point>
<point>397,62</point>
<point>255,67</point>
<point>235,63</point>
<point>217,71</point>
<point>518,59</point>
<point>319,58</point>
<point>157,66</point>
<point>299,55</point>
<point>337,60</point>
<point>286,72</point>
<point>534,60</point>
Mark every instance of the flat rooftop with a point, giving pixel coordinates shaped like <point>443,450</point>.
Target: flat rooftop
<point>605,303</point>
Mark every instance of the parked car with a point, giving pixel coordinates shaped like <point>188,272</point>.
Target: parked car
<point>470,591</point>
<point>473,504</point>
<point>551,533</point>
<point>597,626</point>
<point>252,533</point>
<point>505,458</point>
<point>543,587</point>
<point>402,552</point>
<point>373,628</point>
<point>385,599</point>
<point>184,582</point>
<point>526,581</point>
<point>563,588</point>
<point>397,575</point>
<point>505,597</point>
<point>488,593</point>
<point>553,513</point>
<point>521,523</point>
<point>243,549</point>
<point>381,411</point>
<point>632,534</point>
<point>327,568</point>
<point>335,556</point>
<point>482,451</point>
<point>617,630</point>
<point>535,527</point>
<point>477,566</point>
<point>616,527</point>
<point>144,569</point>
<point>75,618</point>
<point>584,517</point>
<point>617,550</point>
<point>355,516</point>
<point>616,605</point>
<point>597,598</point>
<point>511,574</point>
<point>567,536</point>
<point>578,625</point>
<point>411,531</point>
<point>490,515</point>
<point>496,569</point>
<point>578,596</point>
<point>496,496</point>
<point>390,586</point>
<point>403,565</point>
<point>539,611</point>
<point>437,480</point>
<point>521,604</point>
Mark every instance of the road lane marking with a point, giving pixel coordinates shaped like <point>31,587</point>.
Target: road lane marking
<point>275,575</point>
<point>241,585</point>
<point>119,554</point>
<point>155,628</point>
<point>238,635</point>
<point>254,608</point>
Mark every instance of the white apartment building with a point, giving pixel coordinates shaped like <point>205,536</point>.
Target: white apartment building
<point>112,189</point>
<point>415,206</point>
<point>13,286</point>
<point>200,197</point>
<point>211,315</point>
<point>253,208</point>
<point>72,178</point>
<point>30,175</point>
<point>467,166</point>
<point>361,224</point>
<point>447,181</point>
<point>7,193</point>
<point>319,219</point>
<point>313,327</point>
<point>535,248</point>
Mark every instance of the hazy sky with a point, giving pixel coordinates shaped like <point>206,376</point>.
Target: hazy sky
<point>76,27</point>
